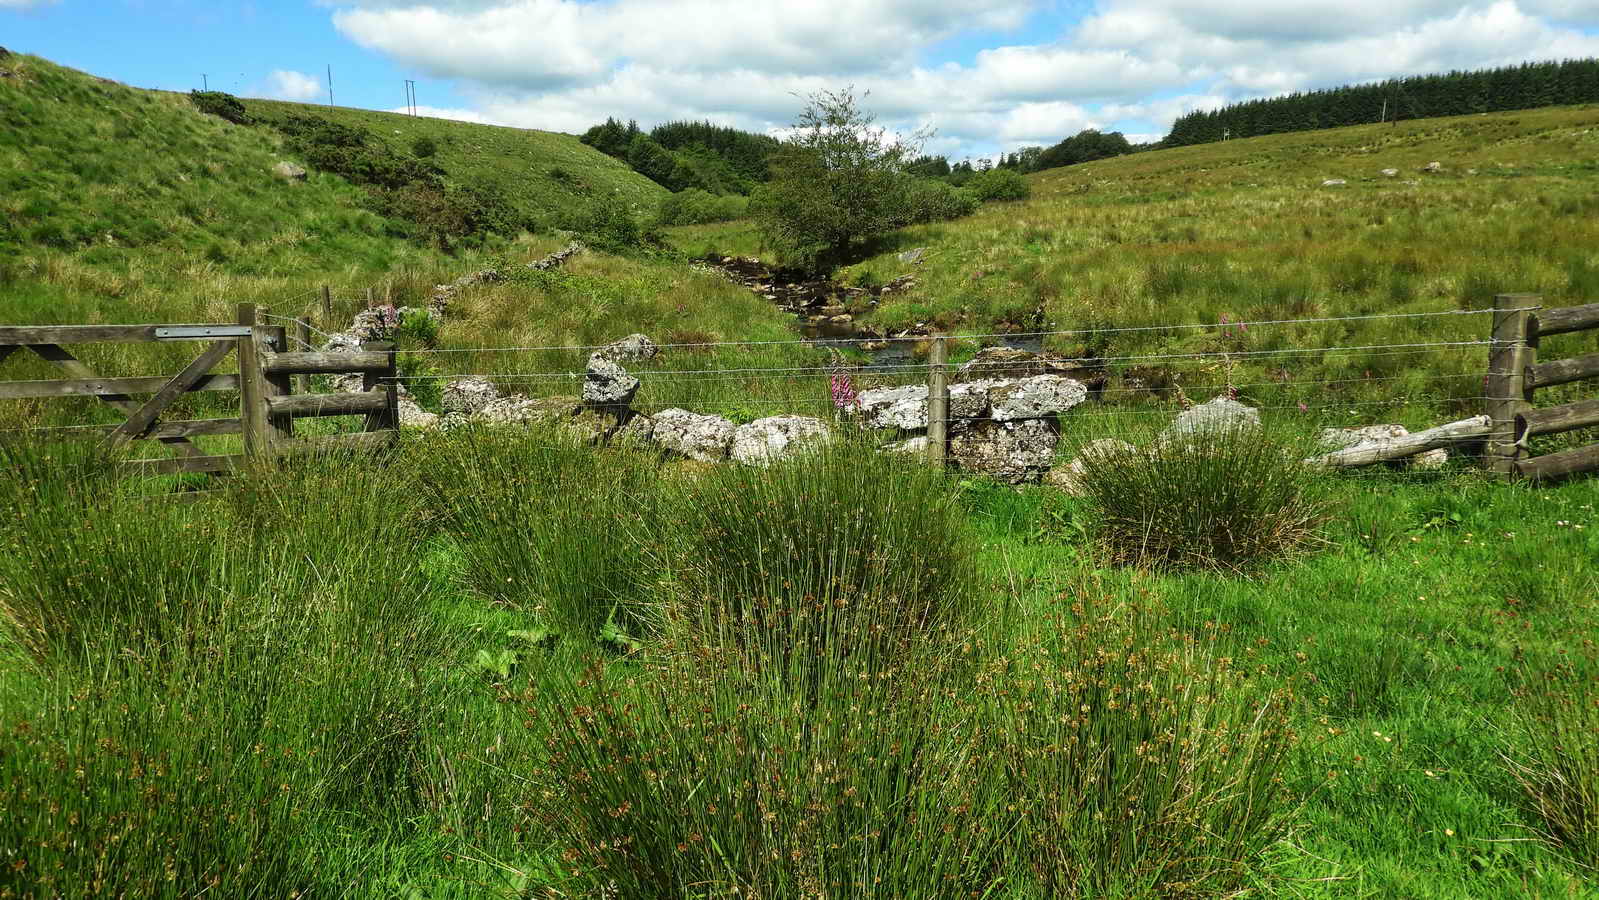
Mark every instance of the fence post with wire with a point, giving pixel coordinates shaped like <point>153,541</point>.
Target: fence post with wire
<point>1527,321</point>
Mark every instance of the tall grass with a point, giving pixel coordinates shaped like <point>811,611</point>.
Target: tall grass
<point>1220,498</point>
<point>1554,755</point>
<point>212,689</point>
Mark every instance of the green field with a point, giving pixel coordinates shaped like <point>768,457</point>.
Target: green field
<point>498,663</point>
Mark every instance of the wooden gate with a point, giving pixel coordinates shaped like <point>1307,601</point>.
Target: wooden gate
<point>1514,373</point>
<point>268,405</point>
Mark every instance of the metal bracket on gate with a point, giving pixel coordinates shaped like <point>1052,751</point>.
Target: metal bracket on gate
<point>200,332</point>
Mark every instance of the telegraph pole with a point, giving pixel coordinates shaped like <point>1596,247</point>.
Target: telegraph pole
<point>205,83</point>
<point>330,84</point>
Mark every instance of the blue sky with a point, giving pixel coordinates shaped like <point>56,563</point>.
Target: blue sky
<point>988,75</point>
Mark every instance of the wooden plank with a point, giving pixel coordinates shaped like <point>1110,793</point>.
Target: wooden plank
<point>1557,419</point>
<point>111,390</point>
<point>72,366</point>
<point>323,363</point>
<point>301,406</point>
<point>189,464</point>
<point>1474,428</point>
<point>1561,465</point>
<point>187,428</point>
<point>93,334</point>
<point>140,421</point>
<point>252,406</point>
<point>1565,319</point>
<point>1562,371</point>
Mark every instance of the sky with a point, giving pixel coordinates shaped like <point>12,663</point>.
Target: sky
<point>986,76</point>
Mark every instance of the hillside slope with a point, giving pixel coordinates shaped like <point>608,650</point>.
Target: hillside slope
<point>544,173</point>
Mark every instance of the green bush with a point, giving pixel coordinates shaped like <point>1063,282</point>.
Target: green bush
<point>610,225</point>
<point>1000,184</point>
<point>930,200</point>
<point>698,207</point>
<point>424,147</point>
<point>219,104</point>
<point>1220,498</point>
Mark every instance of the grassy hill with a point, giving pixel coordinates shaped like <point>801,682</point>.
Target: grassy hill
<point>543,172</point>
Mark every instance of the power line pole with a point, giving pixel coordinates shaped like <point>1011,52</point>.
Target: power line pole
<point>205,82</point>
<point>330,84</point>
<point>1384,117</point>
<point>410,96</point>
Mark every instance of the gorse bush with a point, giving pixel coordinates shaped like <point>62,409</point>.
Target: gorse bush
<point>697,207</point>
<point>929,200</point>
<point>999,184</point>
<point>1221,497</point>
<point>219,104</point>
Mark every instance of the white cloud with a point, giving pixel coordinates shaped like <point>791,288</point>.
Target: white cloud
<point>285,84</point>
<point>459,115</point>
<point>565,64</point>
<point>24,4</point>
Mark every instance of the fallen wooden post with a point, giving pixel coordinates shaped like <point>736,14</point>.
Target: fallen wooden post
<point>1373,452</point>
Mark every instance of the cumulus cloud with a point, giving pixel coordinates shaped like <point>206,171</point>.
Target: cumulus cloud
<point>286,84</point>
<point>1136,64</point>
<point>459,115</point>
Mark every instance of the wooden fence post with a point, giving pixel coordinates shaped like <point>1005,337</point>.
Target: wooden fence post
<point>389,380</point>
<point>938,403</point>
<point>302,333</point>
<point>327,305</point>
<point>1513,351</point>
<point>252,401</point>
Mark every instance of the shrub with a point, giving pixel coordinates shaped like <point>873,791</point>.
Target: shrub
<point>1222,498</point>
<point>1000,184</point>
<point>424,147</point>
<point>219,104</point>
<point>610,225</point>
<point>698,207</point>
<point>930,200</point>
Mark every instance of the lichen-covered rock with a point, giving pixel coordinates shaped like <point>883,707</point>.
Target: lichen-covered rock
<point>699,437</point>
<point>916,445</point>
<point>412,415</point>
<point>1069,478</point>
<point>633,348</point>
<point>519,410</point>
<point>969,400</point>
<point>1038,397</point>
<point>904,408</point>
<point>1010,451</point>
<point>768,440</point>
<point>1221,416</point>
<point>465,396</point>
<point>1008,362</point>
<point>606,384</point>
<point>289,171</point>
<point>1435,458</point>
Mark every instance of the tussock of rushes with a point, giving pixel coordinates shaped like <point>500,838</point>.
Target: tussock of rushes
<point>1555,756</point>
<point>1221,499</point>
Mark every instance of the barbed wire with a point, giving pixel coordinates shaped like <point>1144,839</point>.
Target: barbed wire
<point>970,337</point>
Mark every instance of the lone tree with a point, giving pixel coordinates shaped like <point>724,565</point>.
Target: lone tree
<point>837,180</point>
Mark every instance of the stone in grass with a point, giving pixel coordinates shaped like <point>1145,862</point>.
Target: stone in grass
<point>1334,182</point>
<point>1041,396</point>
<point>904,408</point>
<point>633,348</point>
<point>1014,452</point>
<point>1069,478</point>
<point>1220,417</point>
<point>698,437</point>
<point>607,384</point>
<point>289,171</point>
<point>466,396</point>
<point>767,440</point>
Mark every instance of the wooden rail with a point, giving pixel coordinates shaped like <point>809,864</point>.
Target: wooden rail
<point>1514,373</point>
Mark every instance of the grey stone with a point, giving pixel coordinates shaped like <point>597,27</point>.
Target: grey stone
<point>916,445</point>
<point>777,437</point>
<point>969,399</point>
<point>1435,458</point>
<point>466,396</point>
<point>1034,398</point>
<point>607,384</point>
<point>1015,452</point>
<point>1069,478</point>
<point>1433,168</point>
<point>703,438</point>
<point>519,410</point>
<point>902,407</point>
<point>412,415</point>
<point>633,348</point>
<point>1007,362</point>
<point>1391,173</point>
<point>911,257</point>
<point>289,171</point>
<point>1220,416</point>
<point>1334,182</point>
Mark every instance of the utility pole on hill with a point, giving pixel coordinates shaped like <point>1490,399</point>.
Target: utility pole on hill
<point>330,84</point>
<point>205,83</point>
